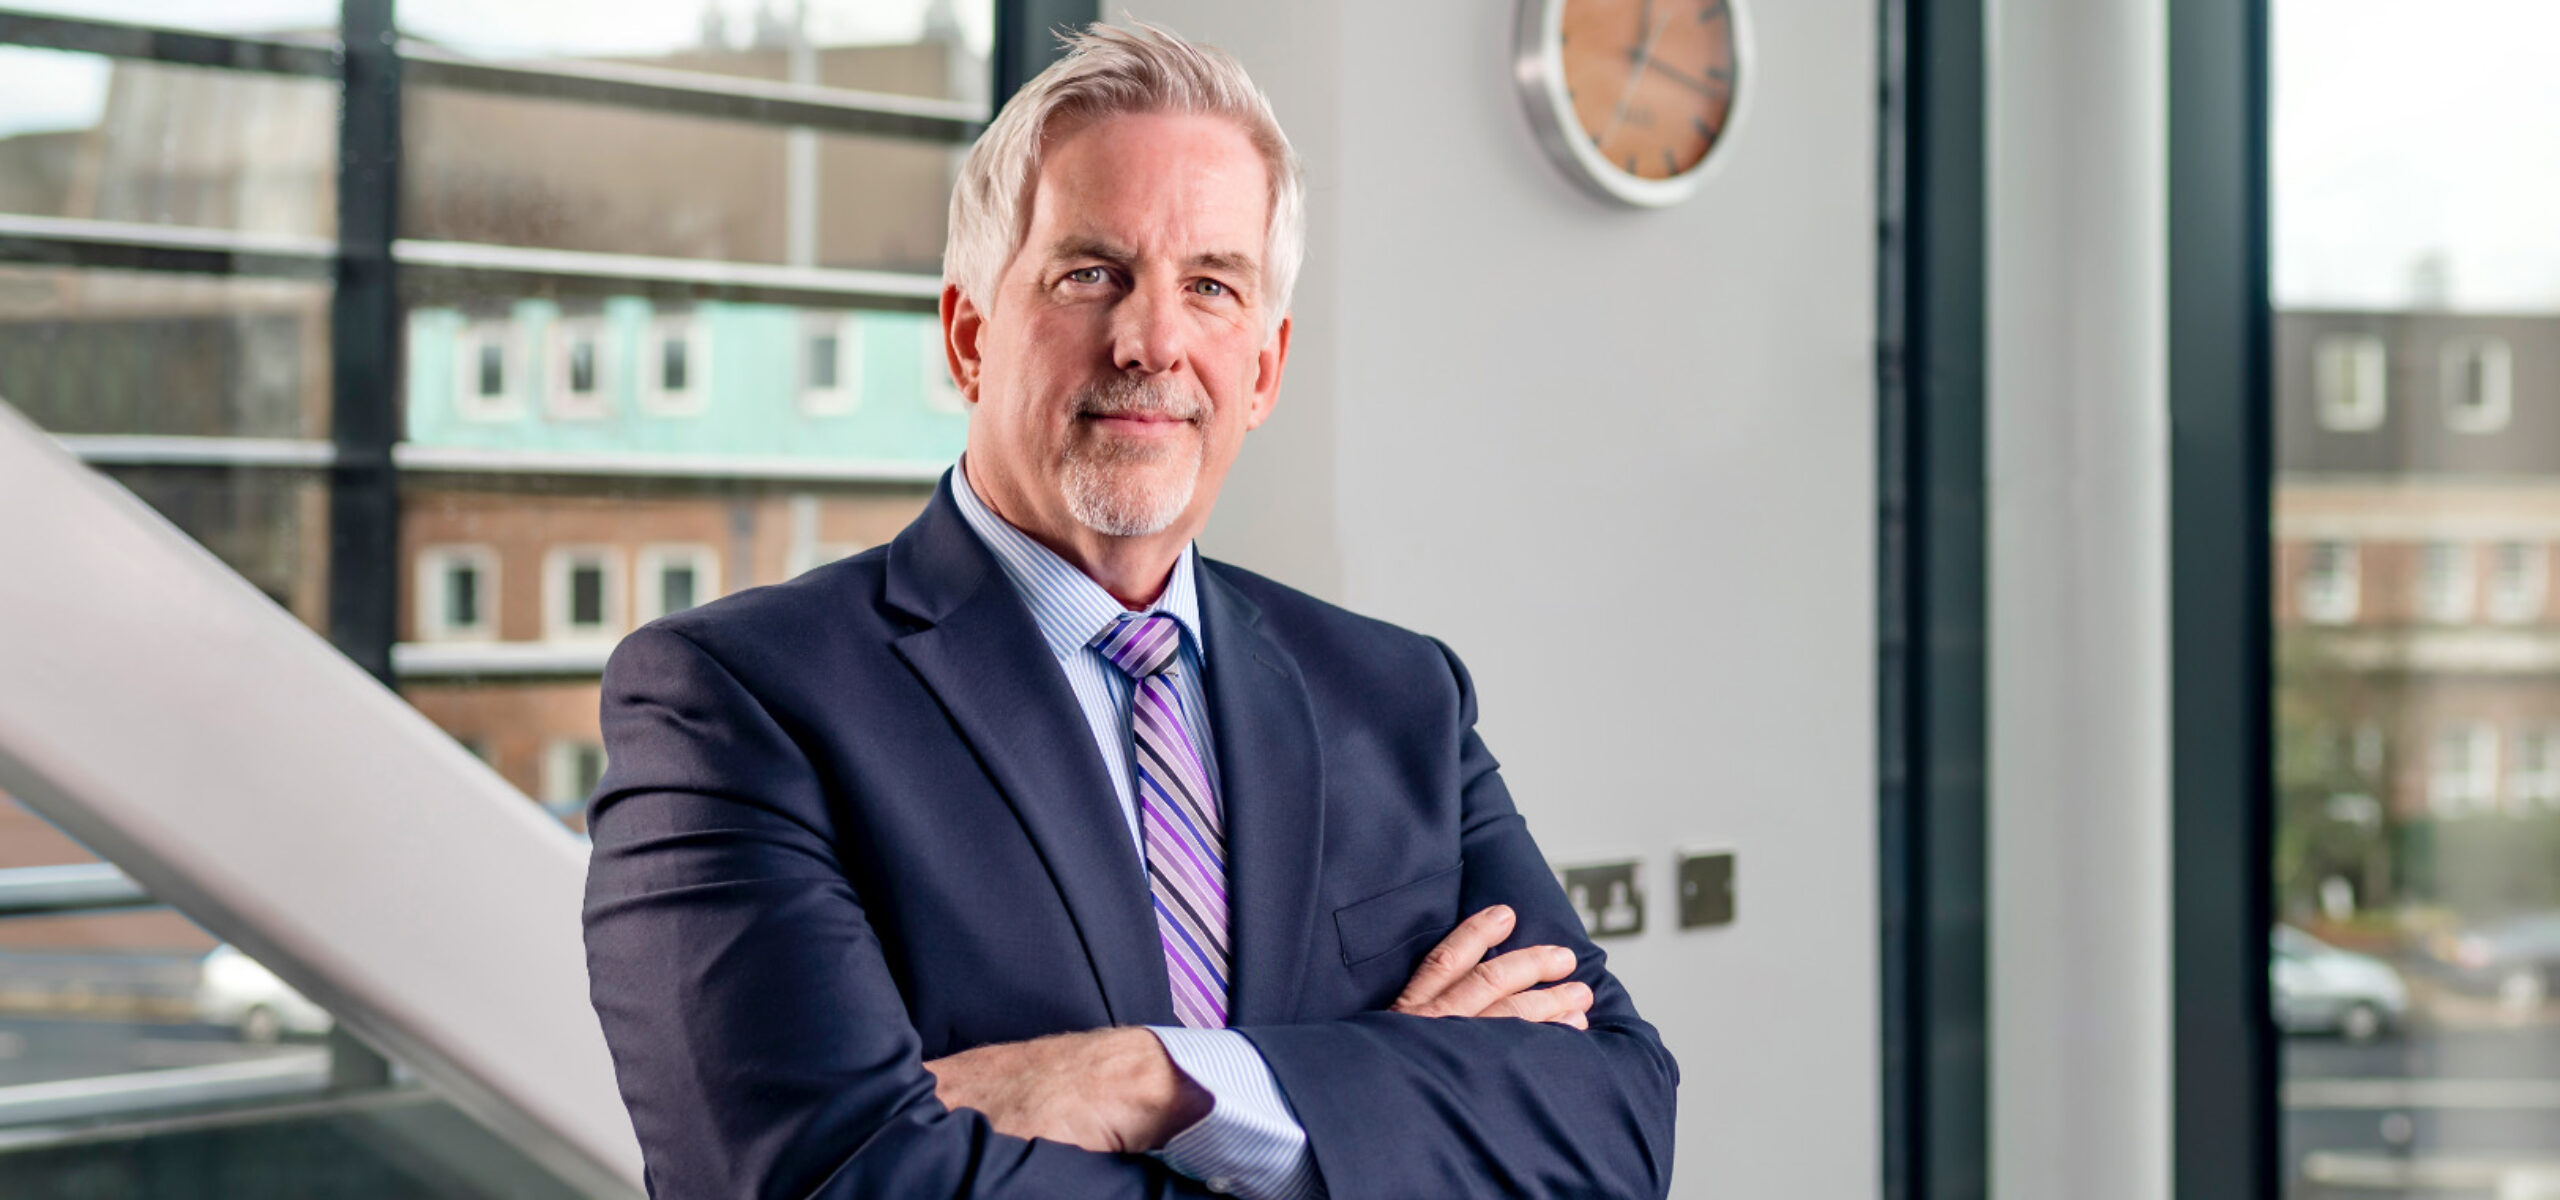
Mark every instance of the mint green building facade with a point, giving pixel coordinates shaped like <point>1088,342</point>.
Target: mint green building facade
<point>717,380</point>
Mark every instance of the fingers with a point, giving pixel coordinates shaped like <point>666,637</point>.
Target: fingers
<point>1456,954</point>
<point>1501,978</point>
<point>1566,1003</point>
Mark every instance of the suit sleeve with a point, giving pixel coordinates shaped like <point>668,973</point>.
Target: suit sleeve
<point>1401,1106</point>
<point>759,1040</point>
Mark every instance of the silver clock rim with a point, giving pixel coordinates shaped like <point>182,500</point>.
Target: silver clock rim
<point>1538,68</point>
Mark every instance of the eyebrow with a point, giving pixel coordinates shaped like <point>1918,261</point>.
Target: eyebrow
<point>1215,260</point>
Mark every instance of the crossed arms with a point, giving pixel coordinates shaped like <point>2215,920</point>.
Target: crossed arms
<point>763,1049</point>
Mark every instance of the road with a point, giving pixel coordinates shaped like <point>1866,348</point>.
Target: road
<point>2464,1104</point>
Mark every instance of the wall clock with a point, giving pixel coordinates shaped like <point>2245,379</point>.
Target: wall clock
<point>1631,97</point>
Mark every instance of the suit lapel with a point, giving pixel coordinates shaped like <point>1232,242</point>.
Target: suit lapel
<point>986,662</point>
<point>1271,783</point>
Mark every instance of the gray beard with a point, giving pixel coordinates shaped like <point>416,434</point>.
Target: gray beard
<point>1109,486</point>
<point>1109,489</point>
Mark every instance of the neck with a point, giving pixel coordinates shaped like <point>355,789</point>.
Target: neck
<point>1134,570</point>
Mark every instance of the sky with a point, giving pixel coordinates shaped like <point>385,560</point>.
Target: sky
<point>2415,154</point>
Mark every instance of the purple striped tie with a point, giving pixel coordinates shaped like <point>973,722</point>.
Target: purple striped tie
<point>1178,819</point>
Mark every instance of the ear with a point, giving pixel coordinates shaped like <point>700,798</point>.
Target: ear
<point>1266,381</point>
<point>962,323</point>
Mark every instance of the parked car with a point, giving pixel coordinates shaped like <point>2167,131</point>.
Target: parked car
<point>2322,989</point>
<point>236,992</point>
<point>2517,960</point>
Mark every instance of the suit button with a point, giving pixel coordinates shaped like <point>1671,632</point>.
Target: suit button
<point>1221,1185</point>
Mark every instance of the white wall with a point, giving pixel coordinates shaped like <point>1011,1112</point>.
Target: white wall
<point>1513,410</point>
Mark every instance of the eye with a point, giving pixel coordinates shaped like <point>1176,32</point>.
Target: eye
<point>1085,275</point>
<point>1211,287</point>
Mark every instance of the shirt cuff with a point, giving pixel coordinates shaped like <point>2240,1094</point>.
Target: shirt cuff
<point>1250,1145</point>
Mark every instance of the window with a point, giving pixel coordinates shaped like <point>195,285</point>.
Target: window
<point>2349,373</point>
<point>457,594</point>
<point>485,370</point>
<point>2444,582</point>
<point>674,578</point>
<point>582,593</point>
<point>2537,777</point>
<point>2478,382</point>
<point>581,369</point>
<point>2519,577</point>
<point>2464,774</point>
<point>676,367</point>
<point>2327,593</point>
<point>570,772</point>
<point>830,364</point>
<point>941,392</point>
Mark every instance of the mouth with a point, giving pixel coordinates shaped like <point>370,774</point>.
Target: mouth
<point>1145,424</point>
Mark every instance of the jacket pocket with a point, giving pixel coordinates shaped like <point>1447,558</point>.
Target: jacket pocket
<point>1395,919</point>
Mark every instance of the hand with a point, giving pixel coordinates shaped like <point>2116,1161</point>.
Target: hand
<point>1457,980</point>
<point>1111,1090</point>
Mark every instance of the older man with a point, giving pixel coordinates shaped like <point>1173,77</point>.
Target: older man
<point>1034,855</point>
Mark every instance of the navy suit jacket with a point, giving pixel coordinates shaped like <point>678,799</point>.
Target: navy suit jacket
<point>857,821</point>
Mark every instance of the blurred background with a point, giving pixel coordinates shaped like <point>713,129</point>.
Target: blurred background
<point>2077,489</point>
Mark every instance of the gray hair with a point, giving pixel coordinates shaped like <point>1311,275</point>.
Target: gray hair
<point>1109,71</point>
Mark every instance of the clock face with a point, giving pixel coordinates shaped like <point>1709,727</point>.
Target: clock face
<point>1635,92</point>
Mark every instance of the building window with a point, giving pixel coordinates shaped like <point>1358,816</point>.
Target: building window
<point>457,594</point>
<point>2519,580</point>
<point>2350,373</point>
<point>582,594</point>
<point>675,578</point>
<point>2464,775</point>
<point>581,368</point>
<point>570,772</point>
<point>830,364</point>
<point>2444,582</point>
<point>941,392</point>
<point>2478,384</point>
<point>2327,594</point>
<point>485,370</point>
<point>676,367</point>
<point>2537,776</point>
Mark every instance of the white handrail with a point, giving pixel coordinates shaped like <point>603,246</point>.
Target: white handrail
<point>168,715</point>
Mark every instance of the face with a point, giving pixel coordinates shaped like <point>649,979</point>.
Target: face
<point>1127,348</point>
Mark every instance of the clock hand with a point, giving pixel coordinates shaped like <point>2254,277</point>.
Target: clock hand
<point>1716,82</point>
<point>1644,58</point>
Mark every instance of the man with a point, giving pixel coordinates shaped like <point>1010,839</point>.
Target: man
<point>1033,855</point>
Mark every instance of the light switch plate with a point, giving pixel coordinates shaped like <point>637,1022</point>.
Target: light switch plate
<point>1706,888</point>
<point>1609,895</point>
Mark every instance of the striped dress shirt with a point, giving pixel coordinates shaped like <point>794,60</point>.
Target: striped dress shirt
<point>1251,1144</point>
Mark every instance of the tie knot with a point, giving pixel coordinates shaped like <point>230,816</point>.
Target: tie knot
<point>1141,646</point>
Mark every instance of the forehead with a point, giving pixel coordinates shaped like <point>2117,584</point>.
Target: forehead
<point>1156,182</point>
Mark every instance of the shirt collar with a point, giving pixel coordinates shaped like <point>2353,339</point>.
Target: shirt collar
<point>1067,605</point>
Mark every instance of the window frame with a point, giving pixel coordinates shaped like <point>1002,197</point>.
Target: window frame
<point>2342,590</point>
<point>559,401</point>
<point>434,621</point>
<point>2455,598</point>
<point>844,397</point>
<point>471,343</point>
<point>558,565</point>
<point>2496,405</point>
<point>2351,381</point>
<point>690,330</point>
<point>649,601</point>
<point>2531,600</point>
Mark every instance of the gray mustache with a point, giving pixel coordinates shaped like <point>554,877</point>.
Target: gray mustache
<point>1130,398</point>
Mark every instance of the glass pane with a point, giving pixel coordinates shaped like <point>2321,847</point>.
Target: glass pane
<point>935,48</point>
<point>130,352</point>
<point>2417,869</point>
<point>522,692</point>
<point>567,175</point>
<point>272,526</point>
<point>141,1057</point>
<point>118,140</point>
<point>489,372</point>
<point>269,18</point>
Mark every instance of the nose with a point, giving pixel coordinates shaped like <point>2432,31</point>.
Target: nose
<point>1147,331</point>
